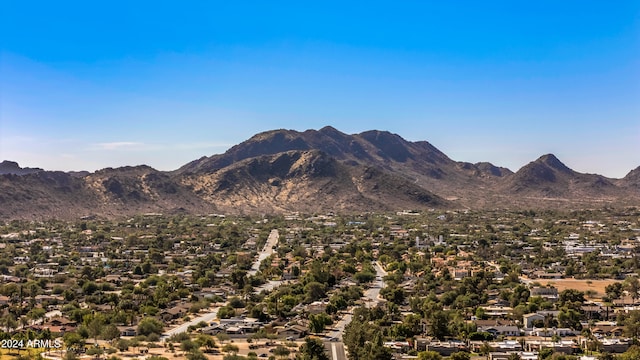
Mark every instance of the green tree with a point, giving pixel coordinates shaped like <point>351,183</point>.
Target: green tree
<point>110,333</point>
<point>36,314</point>
<point>148,326</point>
<point>196,355</point>
<point>73,341</point>
<point>545,353</point>
<point>236,302</point>
<point>571,298</point>
<point>633,353</point>
<point>226,312</point>
<point>314,291</point>
<point>438,324</point>
<point>317,322</point>
<point>631,324</point>
<point>485,349</point>
<point>97,351</point>
<point>607,356</point>
<point>570,318</point>
<point>632,286</point>
<point>519,296</point>
<point>122,344</point>
<point>188,346</point>
<point>461,355</point>
<point>429,355</point>
<point>364,276</point>
<point>222,337</point>
<point>281,351</point>
<point>206,341</point>
<point>95,327</point>
<point>89,287</point>
<point>230,349</point>
<point>312,349</point>
<point>614,291</point>
<point>364,338</point>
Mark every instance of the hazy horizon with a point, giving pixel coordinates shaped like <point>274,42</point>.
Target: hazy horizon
<point>85,86</point>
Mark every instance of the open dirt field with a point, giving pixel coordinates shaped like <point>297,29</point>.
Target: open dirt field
<point>132,354</point>
<point>240,343</point>
<point>582,285</point>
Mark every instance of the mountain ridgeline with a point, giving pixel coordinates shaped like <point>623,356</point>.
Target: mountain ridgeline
<point>315,170</point>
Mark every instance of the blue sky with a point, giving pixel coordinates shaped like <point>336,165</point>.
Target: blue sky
<point>87,85</point>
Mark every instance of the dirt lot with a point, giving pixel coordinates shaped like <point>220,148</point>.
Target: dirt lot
<point>582,285</point>
<point>240,343</point>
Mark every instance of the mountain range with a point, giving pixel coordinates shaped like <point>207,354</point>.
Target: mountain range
<point>312,171</point>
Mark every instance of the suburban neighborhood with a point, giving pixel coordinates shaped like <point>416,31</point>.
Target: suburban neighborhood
<point>405,285</point>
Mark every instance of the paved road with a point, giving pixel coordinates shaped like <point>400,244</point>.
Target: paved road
<point>268,286</point>
<point>371,298</point>
<point>338,329</point>
<point>372,295</point>
<point>336,350</point>
<point>267,251</point>
<point>183,328</point>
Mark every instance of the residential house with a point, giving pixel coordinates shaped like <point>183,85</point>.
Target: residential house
<point>317,307</point>
<point>293,330</point>
<point>522,355</point>
<point>562,346</point>
<point>497,346</point>
<point>546,292</point>
<point>529,319</point>
<point>48,298</point>
<point>497,311</point>
<point>173,313</point>
<point>213,329</point>
<point>501,330</point>
<point>446,348</point>
<point>398,346</point>
<point>615,345</point>
<point>546,275</point>
<point>593,311</point>
<point>127,331</point>
<point>562,332</point>
<point>234,331</point>
<point>57,325</point>
<point>607,331</point>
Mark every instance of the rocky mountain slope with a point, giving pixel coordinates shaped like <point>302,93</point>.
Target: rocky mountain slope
<point>108,192</point>
<point>632,179</point>
<point>314,170</point>
<point>12,167</point>
<point>307,180</point>
<point>548,179</point>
